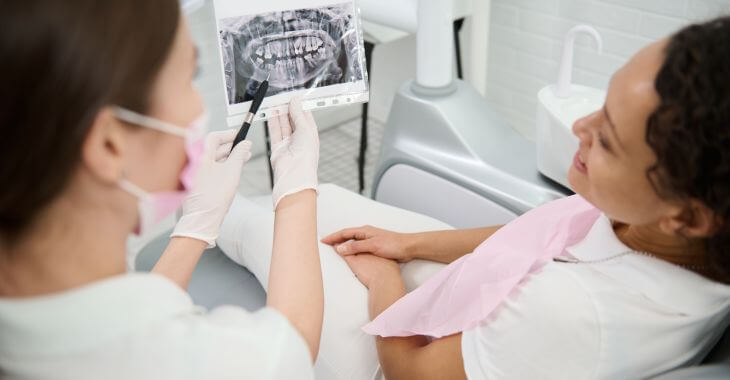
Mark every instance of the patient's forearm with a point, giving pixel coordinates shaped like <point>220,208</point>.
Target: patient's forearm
<point>412,357</point>
<point>295,278</point>
<point>383,292</point>
<point>448,246</point>
<point>391,350</point>
<point>179,260</point>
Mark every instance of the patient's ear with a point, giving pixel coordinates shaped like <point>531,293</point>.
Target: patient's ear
<point>692,220</point>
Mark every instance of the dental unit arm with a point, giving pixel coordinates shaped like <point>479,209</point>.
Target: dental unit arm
<point>446,153</point>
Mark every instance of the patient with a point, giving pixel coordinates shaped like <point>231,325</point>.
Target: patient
<point>650,290</point>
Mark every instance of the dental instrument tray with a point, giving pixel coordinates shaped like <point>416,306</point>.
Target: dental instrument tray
<point>312,49</point>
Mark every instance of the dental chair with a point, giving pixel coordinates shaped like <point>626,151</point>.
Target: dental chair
<point>219,281</point>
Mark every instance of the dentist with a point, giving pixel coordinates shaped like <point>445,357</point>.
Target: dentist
<point>104,135</point>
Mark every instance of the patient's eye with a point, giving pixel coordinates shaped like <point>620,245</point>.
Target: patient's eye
<point>603,142</point>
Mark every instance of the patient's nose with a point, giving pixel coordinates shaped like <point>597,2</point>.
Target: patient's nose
<point>582,128</point>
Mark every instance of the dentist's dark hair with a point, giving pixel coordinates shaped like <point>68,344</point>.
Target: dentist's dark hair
<point>62,61</point>
<point>690,130</point>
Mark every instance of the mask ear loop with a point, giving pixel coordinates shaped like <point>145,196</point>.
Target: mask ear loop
<point>145,121</point>
<point>133,189</point>
<point>136,192</point>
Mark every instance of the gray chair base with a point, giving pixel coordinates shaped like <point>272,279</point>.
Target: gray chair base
<point>216,280</point>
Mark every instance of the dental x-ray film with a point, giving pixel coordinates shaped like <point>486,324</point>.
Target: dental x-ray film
<point>307,48</point>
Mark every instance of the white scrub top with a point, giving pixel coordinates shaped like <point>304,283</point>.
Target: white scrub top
<point>629,317</point>
<point>143,326</point>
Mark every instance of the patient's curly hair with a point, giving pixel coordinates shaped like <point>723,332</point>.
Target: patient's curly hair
<point>690,130</point>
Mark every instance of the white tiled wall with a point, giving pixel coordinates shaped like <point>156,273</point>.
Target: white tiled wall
<point>524,50</point>
<point>526,43</point>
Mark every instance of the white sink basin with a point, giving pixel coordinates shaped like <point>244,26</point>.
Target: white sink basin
<point>556,143</point>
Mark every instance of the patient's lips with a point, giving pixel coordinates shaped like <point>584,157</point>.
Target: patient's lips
<point>579,164</point>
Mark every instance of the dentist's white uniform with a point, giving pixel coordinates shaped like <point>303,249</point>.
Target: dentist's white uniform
<point>143,326</point>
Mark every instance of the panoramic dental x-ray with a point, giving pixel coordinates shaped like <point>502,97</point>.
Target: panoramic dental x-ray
<point>314,52</point>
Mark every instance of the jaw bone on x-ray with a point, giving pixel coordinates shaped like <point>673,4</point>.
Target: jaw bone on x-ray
<point>316,52</point>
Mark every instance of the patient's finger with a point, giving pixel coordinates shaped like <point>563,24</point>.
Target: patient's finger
<point>354,247</point>
<point>350,260</point>
<point>345,235</point>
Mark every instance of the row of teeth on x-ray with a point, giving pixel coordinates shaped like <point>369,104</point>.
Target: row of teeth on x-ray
<point>291,51</point>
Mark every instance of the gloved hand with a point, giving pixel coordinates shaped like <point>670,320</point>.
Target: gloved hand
<point>295,151</point>
<point>216,184</point>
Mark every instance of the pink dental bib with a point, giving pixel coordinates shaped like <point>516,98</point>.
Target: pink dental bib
<point>469,289</point>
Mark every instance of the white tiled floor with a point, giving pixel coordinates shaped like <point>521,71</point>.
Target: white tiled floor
<point>339,148</point>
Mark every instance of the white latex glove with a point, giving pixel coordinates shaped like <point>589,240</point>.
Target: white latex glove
<point>295,151</point>
<point>216,184</point>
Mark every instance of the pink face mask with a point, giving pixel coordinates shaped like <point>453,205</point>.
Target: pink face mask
<point>154,207</point>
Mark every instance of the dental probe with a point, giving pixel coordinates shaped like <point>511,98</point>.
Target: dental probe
<point>258,98</point>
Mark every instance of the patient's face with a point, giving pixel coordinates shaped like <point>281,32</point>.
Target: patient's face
<point>613,157</point>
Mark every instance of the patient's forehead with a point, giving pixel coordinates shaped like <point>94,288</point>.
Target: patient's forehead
<point>632,97</point>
